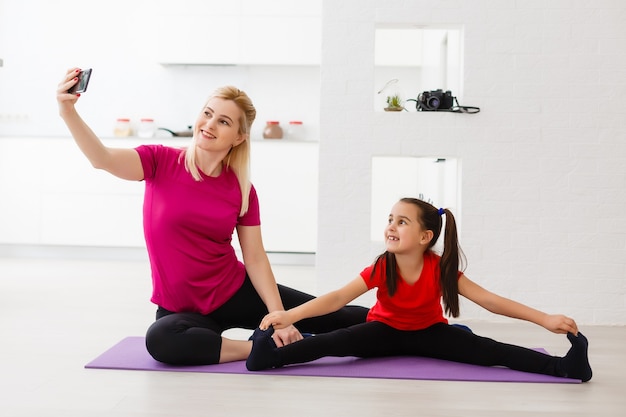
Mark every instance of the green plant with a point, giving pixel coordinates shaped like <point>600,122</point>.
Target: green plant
<point>395,102</point>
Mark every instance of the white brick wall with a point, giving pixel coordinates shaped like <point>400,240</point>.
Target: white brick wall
<point>543,164</point>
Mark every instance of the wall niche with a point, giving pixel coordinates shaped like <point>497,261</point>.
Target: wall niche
<point>410,59</point>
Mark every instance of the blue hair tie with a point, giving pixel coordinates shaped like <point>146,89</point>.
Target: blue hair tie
<point>441,211</point>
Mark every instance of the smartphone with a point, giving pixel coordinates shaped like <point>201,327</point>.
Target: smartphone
<point>83,81</point>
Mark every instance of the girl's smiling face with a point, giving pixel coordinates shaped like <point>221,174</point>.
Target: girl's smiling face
<point>404,232</point>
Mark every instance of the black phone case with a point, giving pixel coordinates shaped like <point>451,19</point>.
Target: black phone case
<point>83,82</point>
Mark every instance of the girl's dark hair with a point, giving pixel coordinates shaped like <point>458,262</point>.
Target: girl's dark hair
<point>452,256</point>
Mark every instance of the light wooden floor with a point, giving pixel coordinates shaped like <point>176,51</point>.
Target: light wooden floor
<point>57,315</point>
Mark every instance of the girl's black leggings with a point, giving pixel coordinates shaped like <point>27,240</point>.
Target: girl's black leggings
<point>441,341</point>
<point>195,339</point>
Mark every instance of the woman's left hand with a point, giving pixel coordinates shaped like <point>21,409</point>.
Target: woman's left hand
<point>558,323</point>
<point>286,336</point>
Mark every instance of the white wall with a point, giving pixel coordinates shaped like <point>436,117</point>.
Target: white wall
<point>543,163</point>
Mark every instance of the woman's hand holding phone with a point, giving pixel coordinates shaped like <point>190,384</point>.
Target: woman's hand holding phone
<point>82,83</point>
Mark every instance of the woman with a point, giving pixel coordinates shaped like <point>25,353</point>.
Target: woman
<point>408,319</point>
<point>194,199</point>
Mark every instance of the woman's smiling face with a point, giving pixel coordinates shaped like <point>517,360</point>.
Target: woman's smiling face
<point>217,126</point>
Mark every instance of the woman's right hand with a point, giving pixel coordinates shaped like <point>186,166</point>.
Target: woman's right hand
<point>65,99</point>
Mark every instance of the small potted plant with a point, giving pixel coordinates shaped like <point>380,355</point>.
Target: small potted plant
<point>394,103</point>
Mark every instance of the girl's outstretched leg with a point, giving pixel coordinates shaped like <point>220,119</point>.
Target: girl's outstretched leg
<point>576,363</point>
<point>443,341</point>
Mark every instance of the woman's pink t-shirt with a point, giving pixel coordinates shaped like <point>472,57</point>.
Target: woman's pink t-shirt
<point>188,227</point>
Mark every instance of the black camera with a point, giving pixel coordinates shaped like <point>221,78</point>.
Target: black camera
<point>435,100</point>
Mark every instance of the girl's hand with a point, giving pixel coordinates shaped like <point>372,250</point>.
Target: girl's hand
<point>284,331</point>
<point>559,323</point>
<point>286,335</point>
<point>276,319</point>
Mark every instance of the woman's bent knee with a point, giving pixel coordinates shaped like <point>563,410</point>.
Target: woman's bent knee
<point>158,340</point>
<point>173,341</point>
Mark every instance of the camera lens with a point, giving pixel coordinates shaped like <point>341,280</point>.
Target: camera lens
<point>433,103</point>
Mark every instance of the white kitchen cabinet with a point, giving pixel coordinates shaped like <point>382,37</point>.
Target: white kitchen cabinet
<point>284,174</point>
<point>196,40</point>
<point>81,205</point>
<point>291,40</point>
<point>20,199</point>
<point>266,32</point>
<point>76,219</point>
<point>50,195</point>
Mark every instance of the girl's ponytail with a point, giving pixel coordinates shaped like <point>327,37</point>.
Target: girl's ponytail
<point>449,265</point>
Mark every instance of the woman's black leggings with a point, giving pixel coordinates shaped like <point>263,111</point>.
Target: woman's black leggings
<point>195,339</point>
<point>441,341</point>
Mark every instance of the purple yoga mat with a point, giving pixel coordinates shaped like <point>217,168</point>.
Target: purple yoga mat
<point>131,354</point>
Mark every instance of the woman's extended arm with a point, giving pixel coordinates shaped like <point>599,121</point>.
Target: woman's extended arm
<point>123,163</point>
<point>261,275</point>
<point>556,323</point>
<point>258,266</point>
<point>321,305</point>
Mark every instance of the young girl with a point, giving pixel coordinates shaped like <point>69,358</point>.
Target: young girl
<point>408,318</point>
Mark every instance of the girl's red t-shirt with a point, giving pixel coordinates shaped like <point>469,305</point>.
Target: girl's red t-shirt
<point>412,307</point>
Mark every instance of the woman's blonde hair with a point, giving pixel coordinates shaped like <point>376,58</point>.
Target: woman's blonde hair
<point>238,159</point>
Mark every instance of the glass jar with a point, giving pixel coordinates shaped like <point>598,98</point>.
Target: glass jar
<point>273,130</point>
<point>295,131</point>
<point>146,128</point>
<point>122,128</point>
